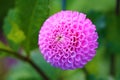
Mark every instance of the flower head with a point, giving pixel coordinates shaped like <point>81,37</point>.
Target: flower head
<point>68,40</point>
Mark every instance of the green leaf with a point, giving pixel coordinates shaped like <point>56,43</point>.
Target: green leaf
<point>12,31</point>
<point>22,24</point>
<point>13,35</point>
<point>31,15</point>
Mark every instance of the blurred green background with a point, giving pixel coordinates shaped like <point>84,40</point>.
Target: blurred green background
<point>20,21</point>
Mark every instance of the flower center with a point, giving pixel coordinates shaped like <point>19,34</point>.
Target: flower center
<point>59,38</point>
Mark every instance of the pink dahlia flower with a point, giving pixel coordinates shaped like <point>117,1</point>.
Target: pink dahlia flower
<point>68,40</point>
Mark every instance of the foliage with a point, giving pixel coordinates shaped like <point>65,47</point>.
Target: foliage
<point>24,71</point>
<point>23,22</point>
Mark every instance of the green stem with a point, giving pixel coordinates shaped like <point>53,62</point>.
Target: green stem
<point>28,60</point>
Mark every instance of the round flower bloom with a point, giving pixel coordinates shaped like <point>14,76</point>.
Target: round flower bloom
<point>68,40</point>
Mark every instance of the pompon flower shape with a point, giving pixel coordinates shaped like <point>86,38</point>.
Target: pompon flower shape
<point>68,40</point>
